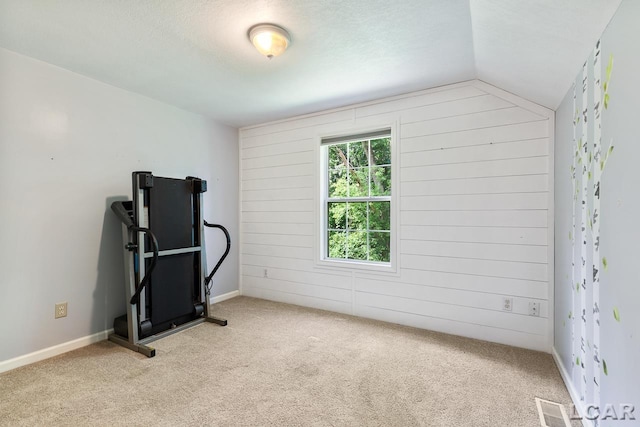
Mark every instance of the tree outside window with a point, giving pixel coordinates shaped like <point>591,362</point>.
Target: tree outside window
<point>358,200</point>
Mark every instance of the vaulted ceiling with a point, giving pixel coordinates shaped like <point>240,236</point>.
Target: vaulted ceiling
<point>195,54</point>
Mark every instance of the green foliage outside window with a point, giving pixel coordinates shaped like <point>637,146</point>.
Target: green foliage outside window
<point>359,229</point>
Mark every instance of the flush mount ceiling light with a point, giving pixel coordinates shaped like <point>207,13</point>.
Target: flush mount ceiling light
<point>269,39</point>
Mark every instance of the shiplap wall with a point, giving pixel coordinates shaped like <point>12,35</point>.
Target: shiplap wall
<point>475,215</point>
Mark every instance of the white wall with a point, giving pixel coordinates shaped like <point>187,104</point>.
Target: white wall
<point>68,145</point>
<point>475,208</point>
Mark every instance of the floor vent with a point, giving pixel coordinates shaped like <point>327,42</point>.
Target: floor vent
<point>552,414</point>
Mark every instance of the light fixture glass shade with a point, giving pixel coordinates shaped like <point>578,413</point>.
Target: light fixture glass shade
<point>269,39</point>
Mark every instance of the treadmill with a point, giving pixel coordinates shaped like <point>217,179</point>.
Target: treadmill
<point>163,234</point>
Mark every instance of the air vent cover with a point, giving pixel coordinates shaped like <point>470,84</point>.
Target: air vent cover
<point>552,414</point>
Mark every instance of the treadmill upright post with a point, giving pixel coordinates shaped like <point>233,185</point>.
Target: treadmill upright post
<point>131,341</point>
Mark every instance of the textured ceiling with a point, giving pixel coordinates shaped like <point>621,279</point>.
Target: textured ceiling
<point>195,54</point>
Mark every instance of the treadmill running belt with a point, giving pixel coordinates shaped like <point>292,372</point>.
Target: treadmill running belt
<point>171,287</point>
<point>171,213</point>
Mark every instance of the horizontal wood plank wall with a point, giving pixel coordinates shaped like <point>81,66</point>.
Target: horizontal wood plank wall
<point>473,217</point>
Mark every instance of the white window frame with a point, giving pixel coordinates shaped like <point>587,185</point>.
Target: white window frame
<point>321,258</point>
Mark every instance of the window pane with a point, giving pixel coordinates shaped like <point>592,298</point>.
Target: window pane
<point>337,246</point>
<point>337,183</point>
<point>359,182</point>
<point>381,181</point>
<point>337,156</point>
<point>379,246</point>
<point>359,230</point>
<point>357,214</point>
<point>379,215</point>
<point>337,216</point>
<point>357,245</point>
<point>358,154</point>
<point>381,151</point>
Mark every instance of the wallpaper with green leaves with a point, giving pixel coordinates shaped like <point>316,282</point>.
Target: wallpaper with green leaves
<point>597,204</point>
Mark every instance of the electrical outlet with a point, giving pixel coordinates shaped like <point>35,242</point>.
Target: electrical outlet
<point>61,310</point>
<point>265,273</point>
<point>534,309</point>
<point>507,304</point>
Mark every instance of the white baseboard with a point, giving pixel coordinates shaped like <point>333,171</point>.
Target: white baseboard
<point>46,353</point>
<point>571,388</point>
<point>36,356</point>
<point>224,297</point>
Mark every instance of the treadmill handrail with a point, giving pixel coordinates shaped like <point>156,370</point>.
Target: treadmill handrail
<point>135,298</point>
<point>123,215</point>
<point>207,280</point>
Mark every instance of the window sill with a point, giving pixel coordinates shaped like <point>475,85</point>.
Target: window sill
<point>362,267</point>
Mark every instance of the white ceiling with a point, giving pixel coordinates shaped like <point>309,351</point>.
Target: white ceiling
<point>195,53</point>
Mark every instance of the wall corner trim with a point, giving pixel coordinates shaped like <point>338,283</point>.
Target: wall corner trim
<point>575,396</point>
<point>56,350</point>
<point>543,112</point>
<point>551,224</point>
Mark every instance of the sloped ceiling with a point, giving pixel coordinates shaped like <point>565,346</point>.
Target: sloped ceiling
<point>535,48</point>
<point>195,54</point>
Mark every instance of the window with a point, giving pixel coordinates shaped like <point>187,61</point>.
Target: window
<point>357,198</point>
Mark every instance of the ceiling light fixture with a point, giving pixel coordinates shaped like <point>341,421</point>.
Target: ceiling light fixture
<point>269,39</point>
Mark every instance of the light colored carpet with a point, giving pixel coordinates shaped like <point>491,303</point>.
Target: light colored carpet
<point>280,365</point>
